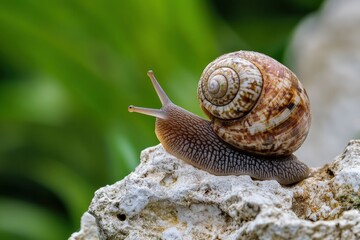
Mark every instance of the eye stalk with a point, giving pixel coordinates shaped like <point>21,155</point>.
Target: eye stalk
<point>158,113</point>
<point>160,92</point>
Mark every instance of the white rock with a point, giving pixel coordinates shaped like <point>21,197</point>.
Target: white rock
<point>89,229</point>
<point>165,198</point>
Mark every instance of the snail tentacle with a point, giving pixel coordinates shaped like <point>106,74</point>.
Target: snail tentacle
<point>164,99</point>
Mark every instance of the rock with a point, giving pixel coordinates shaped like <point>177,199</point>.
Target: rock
<point>165,198</point>
<point>325,55</point>
<point>89,229</point>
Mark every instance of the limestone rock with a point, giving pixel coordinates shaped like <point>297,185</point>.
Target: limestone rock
<point>89,229</point>
<point>165,198</point>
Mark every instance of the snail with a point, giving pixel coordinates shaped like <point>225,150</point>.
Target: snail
<point>259,115</point>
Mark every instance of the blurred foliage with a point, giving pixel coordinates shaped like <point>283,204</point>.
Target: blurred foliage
<point>68,71</point>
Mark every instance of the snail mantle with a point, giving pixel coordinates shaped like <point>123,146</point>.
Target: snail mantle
<point>165,198</point>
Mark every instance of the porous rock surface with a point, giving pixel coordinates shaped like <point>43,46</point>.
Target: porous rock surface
<point>165,198</point>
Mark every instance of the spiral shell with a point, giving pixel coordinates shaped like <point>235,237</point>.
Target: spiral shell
<point>255,103</point>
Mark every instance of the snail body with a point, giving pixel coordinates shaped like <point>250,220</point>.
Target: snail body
<point>259,114</point>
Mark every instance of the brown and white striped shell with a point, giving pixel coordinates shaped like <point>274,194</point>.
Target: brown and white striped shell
<point>255,103</point>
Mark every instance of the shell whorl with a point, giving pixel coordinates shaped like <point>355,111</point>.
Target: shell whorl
<point>255,103</point>
<point>230,87</point>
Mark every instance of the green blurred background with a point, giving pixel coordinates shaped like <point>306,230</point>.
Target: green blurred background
<point>68,71</point>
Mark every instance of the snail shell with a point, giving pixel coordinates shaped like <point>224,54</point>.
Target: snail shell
<point>255,103</point>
